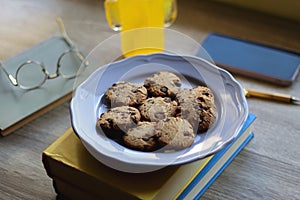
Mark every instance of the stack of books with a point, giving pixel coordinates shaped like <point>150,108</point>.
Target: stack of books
<point>78,175</point>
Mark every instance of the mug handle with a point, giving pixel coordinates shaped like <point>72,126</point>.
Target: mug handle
<point>112,14</point>
<point>170,12</point>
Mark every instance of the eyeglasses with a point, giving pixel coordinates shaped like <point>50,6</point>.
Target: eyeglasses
<point>32,74</point>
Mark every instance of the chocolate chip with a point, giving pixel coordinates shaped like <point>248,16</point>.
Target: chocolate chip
<point>167,100</point>
<point>151,101</point>
<point>177,83</point>
<point>187,133</point>
<point>201,99</point>
<point>206,94</point>
<point>164,89</point>
<point>110,122</point>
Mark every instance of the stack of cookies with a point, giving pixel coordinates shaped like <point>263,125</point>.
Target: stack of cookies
<point>157,114</point>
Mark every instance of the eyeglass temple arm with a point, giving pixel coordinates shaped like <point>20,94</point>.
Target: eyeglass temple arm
<point>63,32</point>
<point>10,77</point>
<point>67,38</point>
<point>82,58</point>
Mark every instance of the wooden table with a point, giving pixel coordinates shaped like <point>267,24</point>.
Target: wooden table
<point>268,168</point>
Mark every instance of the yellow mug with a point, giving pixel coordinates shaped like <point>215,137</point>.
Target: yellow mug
<point>141,23</point>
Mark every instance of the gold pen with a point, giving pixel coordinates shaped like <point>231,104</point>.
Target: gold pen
<point>272,96</point>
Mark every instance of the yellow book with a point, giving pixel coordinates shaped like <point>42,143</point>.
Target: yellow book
<point>68,161</point>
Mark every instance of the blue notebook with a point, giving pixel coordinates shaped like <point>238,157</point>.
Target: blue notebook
<point>253,60</point>
<point>201,182</point>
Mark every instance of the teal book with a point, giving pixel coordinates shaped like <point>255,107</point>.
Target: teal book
<point>19,106</point>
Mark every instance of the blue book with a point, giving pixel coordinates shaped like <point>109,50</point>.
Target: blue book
<point>208,174</point>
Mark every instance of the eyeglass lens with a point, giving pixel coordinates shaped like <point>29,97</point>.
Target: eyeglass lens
<point>69,64</point>
<point>30,75</point>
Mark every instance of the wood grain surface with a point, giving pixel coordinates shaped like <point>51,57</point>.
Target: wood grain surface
<point>269,166</point>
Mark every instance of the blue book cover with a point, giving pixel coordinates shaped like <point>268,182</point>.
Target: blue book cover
<point>195,188</point>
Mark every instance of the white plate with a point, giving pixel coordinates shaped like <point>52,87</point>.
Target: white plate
<point>86,107</point>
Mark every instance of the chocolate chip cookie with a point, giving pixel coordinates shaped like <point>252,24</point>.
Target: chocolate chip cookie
<point>175,133</point>
<point>125,93</point>
<point>198,107</point>
<point>142,137</point>
<point>158,108</point>
<point>164,84</point>
<point>119,119</point>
